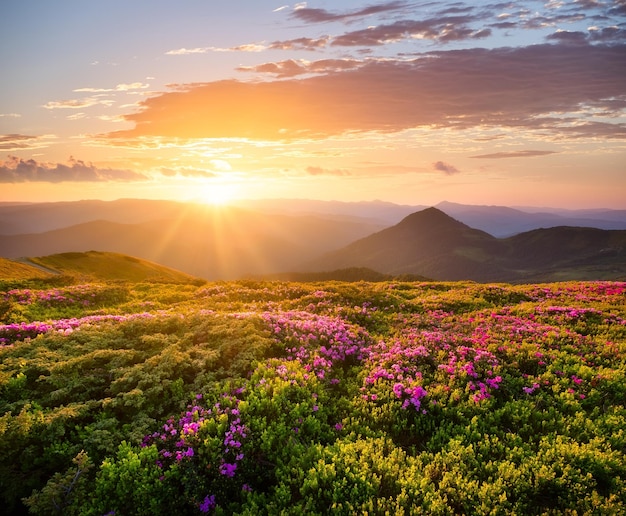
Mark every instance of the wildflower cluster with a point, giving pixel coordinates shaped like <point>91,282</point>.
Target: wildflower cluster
<point>319,342</point>
<point>83,295</point>
<point>10,333</point>
<point>193,441</point>
<point>178,438</point>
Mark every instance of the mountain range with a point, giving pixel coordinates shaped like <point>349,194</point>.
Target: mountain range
<point>315,236</point>
<point>435,245</point>
<point>499,221</point>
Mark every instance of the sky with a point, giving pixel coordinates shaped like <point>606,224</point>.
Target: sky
<point>489,103</point>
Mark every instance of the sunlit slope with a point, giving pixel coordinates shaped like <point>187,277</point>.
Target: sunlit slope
<point>213,243</point>
<point>105,266</point>
<point>11,269</point>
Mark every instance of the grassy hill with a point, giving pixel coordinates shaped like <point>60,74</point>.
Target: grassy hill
<point>213,243</point>
<point>90,266</point>
<point>104,266</point>
<point>15,270</point>
<point>429,243</point>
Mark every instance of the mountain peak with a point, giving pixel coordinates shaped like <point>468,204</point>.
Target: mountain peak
<point>431,220</point>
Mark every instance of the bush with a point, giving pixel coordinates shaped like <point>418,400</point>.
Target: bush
<point>264,398</point>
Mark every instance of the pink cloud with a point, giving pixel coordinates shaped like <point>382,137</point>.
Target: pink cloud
<point>507,87</point>
<point>446,168</point>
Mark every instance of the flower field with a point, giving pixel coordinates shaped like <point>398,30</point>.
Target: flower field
<point>313,398</point>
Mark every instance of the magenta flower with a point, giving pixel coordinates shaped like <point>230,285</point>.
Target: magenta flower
<point>398,389</point>
<point>228,470</point>
<point>207,504</point>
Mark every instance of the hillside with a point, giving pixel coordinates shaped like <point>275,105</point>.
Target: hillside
<point>232,243</point>
<point>90,266</point>
<point>266,398</point>
<point>213,243</point>
<point>429,243</point>
<point>107,266</point>
<point>433,244</point>
<point>12,270</point>
<point>568,253</point>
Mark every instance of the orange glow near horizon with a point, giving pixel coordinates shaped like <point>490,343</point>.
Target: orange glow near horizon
<point>467,109</point>
<point>216,193</point>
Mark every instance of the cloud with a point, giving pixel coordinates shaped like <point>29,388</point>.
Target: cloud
<point>546,88</point>
<point>445,29</point>
<point>300,44</point>
<point>319,171</point>
<point>17,170</point>
<point>515,154</point>
<point>12,142</point>
<point>293,68</point>
<point>10,115</point>
<point>610,34</point>
<point>311,15</point>
<point>16,141</point>
<point>248,47</point>
<point>119,87</point>
<point>76,116</point>
<point>186,51</point>
<point>221,165</point>
<point>446,168</point>
<point>79,103</point>
<point>187,172</point>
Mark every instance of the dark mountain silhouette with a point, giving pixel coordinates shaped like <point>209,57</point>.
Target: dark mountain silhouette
<point>568,253</point>
<point>429,243</point>
<point>433,244</point>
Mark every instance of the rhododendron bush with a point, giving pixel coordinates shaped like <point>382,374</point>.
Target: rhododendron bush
<point>314,398</point>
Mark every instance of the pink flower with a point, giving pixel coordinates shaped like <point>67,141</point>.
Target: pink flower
<point>228,470</point>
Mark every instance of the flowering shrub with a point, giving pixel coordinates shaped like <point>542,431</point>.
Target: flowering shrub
<point>10,333</point>
<point>266,398</point>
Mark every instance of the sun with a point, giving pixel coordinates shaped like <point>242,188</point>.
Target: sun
<point>218,194</point>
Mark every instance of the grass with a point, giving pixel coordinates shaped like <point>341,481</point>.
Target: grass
<point>107,266</point>
<point>13,270</point>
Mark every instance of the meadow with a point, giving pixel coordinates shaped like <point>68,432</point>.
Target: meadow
<point>270,397</point>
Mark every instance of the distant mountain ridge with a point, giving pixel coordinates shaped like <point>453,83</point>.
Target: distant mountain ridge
<point>435,245</point>
<point>230,243</point>
<point>501,221</point>
<point>498,221</point>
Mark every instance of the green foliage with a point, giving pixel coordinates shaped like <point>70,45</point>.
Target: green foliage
<point>60,491</point>
<point>257,397</point>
